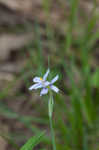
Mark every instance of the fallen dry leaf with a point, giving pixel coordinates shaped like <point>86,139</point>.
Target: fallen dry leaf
<point>3,142</point>
<point>10,42</point>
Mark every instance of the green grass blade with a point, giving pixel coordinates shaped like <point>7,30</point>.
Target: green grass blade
<point>32,142</point>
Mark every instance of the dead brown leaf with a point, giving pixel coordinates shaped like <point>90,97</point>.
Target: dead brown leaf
<point>3,142</point>
<point>10,42</point>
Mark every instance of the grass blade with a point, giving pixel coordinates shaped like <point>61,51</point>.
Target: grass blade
<point>32,142</point>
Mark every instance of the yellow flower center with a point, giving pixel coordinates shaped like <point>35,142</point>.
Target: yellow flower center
<point>48,86</point>
<point>41,79</point>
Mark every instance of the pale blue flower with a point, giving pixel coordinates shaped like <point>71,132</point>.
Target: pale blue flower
<point>40,82</point>
<point>44,84</point>
<point>50,86</point>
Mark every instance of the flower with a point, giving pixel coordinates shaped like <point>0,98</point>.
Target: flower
<point>44,84</point>
<point>50,86</point>
<point>40,82</point>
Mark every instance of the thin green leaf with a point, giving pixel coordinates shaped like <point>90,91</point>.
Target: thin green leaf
<point>32,142</point>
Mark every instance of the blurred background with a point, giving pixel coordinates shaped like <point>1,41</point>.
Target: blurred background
<point>64,36</point>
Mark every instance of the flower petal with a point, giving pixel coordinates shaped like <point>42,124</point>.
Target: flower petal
<point>54,88</point>
<point>54,79</point>
<point>40,85</point>
<point>44,91</point>
<point>36,79</point>
<point>46,83</point>
<point>46,74</point>
<point>34,86</point>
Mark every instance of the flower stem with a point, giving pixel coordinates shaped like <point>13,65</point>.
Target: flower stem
<point>51,103</point>
<point>52,133</point>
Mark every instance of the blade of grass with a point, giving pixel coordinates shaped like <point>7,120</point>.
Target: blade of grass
<point>33,141</point>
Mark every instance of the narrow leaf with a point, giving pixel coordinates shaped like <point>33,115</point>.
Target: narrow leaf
<point>32,142</point>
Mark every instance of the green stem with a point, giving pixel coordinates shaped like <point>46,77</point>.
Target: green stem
<point>50,106</point>
<point>52,133</point>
